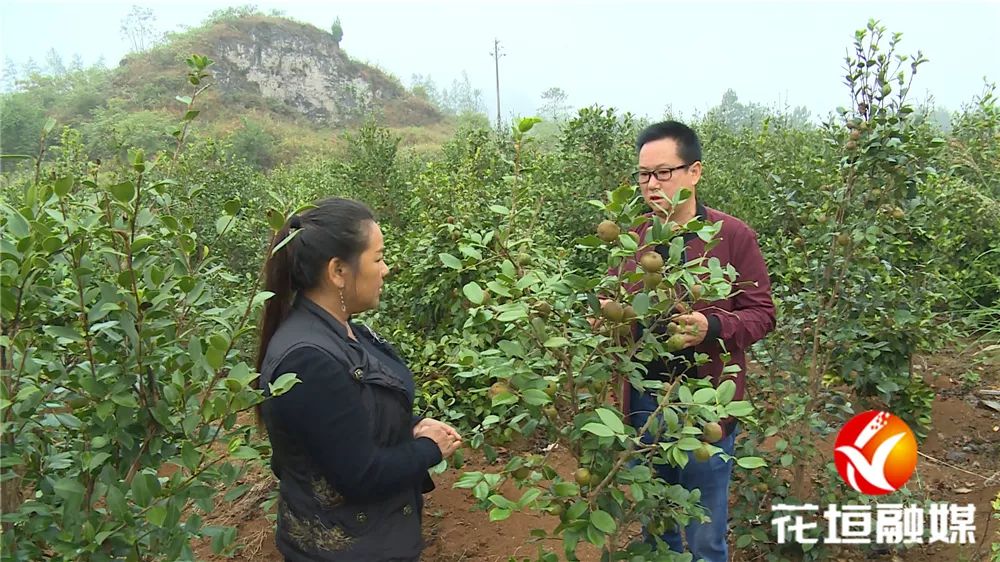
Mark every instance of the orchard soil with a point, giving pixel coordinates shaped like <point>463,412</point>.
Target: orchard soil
<point>965,436</point>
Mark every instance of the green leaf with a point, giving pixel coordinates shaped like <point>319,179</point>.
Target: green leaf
<point>125,400</point>
<point>50,124</point>
<point>450,261</point>
<point>215,357</point>
<point>529,496</point>
<point>63,186</point>
<point>526,123</point>
<point>190,115</point>
<point>500,210</point>
<point>640,303</point>
<point>473,292</point>
<point>275,219</point>
<point>535,397</point>
<point>751,462</point>
<point>739,409</point>
<point>219,341</point>
<point>519,312</point>
<point>688,444</point>
<point>283,384</point>
<point>123,192</point>
<point>704,396</point>
<point>17,225</point>
<point>97,460</point>
<point>186,100</point>
<point>102,536</point>
<point>603,521</point>
<point>498,514</point>
<point>576,510</point>
<point>69,489</point>
<point>726,391</point>
<point>556,341</point>
<point>261,297</point>
<point>224,223</point>
<point>468,480</point>
<point>684,394</point>
<point>64,334</point>
<point>611,420</point>
<point>144,487</point>
<point>565,489</point>
<point>116,501</point>
<point>246,453</point>
<point>628,243</point>
<point>142,242</point>
<point>189,456</point>
<point>157,515</point>
<point>504,398</point>
<point>598,429</point>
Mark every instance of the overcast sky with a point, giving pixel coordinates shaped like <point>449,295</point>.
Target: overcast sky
<point>636,56</point>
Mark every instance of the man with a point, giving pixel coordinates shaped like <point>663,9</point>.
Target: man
<point>670,160</point>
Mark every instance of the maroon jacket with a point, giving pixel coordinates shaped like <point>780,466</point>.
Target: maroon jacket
<point>744,318</point>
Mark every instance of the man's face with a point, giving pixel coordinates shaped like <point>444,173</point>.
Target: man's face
<point>661,155</point>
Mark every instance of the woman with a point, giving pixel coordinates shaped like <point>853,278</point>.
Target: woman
<point>351,458</point>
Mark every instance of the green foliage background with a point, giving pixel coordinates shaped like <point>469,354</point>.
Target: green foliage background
<point>133,242</point>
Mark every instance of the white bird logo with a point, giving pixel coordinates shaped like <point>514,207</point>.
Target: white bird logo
<point>873,472</point>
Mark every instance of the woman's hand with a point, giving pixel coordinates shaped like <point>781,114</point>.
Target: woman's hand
<point>447,439</point>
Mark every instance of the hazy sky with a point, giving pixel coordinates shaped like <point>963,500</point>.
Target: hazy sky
<point>636,56</point>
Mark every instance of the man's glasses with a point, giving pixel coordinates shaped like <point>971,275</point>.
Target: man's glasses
<point>663,174</point>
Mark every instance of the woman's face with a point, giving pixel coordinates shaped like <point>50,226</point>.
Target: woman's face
<point>364,282</point>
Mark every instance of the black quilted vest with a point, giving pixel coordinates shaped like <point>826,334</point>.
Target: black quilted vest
<point>315,523</point>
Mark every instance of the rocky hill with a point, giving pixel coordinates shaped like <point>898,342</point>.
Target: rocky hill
<point>282,66</point>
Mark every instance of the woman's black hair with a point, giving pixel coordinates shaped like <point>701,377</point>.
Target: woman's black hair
<point>334,228</point>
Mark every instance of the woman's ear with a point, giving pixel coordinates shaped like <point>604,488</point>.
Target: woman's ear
<point>336,274</point>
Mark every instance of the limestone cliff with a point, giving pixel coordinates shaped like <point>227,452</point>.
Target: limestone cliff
<point>289,66</point>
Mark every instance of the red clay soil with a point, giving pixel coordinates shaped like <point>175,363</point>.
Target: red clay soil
<point>456,532</point>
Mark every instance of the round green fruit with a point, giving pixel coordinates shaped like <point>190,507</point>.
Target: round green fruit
<point>582,476</point>
<point>702,454</point>
<point>675,343</point>
<point>551,388</point>
<point>697,291</point>
<point>613,311</point>
<point>498,388</point>
<point>712,432</point>
<point>608,231</point>
<point>651,280</point>
<point>651,262</point>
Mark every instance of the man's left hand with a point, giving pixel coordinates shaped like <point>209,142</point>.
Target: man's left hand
<point>694,328</point>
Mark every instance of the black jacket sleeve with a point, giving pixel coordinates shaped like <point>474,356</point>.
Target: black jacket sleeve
<point>326,413</point>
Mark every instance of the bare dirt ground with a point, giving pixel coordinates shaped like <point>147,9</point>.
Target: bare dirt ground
<point>959,463</point>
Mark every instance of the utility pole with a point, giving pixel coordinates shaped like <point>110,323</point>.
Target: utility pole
<point>496,54</point>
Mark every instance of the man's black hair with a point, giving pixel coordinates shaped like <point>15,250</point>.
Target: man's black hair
<point>688,145</point>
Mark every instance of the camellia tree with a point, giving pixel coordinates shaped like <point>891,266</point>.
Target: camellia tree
<point>550,369</point>
<point>122,378</point>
